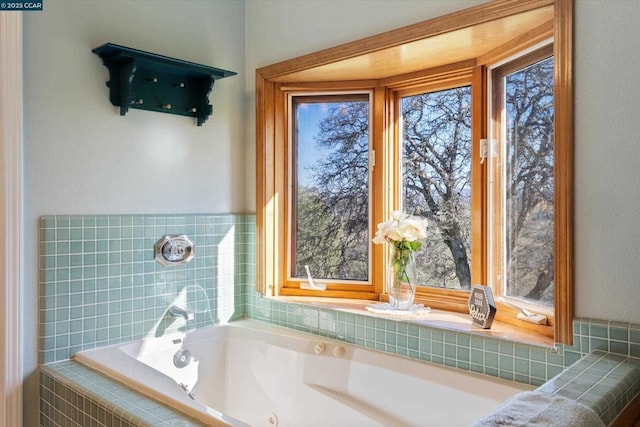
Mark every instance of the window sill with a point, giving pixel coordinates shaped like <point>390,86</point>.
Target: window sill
<point>440,319</point>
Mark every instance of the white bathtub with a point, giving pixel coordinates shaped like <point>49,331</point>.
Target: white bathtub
<point>251,373</point>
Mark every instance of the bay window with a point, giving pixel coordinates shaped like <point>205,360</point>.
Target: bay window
<point>476,139</point>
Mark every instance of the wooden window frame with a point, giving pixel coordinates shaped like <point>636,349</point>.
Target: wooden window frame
<point>496,92</point>
<point>291,285</point>
<point>273,82</point>
<point>451,299</point>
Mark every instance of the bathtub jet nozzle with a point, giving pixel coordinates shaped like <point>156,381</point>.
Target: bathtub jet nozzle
<point>182,358</point>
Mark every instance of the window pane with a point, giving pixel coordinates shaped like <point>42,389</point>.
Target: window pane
<point>436,182</point>
<point>331,188</point>
<point>529,188</point>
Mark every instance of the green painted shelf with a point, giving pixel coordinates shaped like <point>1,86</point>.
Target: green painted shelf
<point>148,81</point>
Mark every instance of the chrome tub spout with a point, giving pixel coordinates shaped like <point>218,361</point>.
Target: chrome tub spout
<point>179,311</point>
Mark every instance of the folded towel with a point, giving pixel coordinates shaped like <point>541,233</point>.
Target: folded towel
<point>535,408</point>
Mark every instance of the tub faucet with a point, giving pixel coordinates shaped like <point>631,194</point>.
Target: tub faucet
<point>179,311</point>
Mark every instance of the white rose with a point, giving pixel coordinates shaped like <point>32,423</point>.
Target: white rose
<point>380,236</point>
<point>386,230</point>
<point>413,228</point>
<point>393,232</point>
<point>401,227</point>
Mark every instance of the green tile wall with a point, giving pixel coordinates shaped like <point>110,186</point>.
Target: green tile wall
<point>100,285</point>
<point>530,364</point>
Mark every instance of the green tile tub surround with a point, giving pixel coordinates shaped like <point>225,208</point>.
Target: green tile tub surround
<point>109,295</point>
<point>74,395</point>
<point>525,363</point>
<point>606,382</point>
<point>99,283</point>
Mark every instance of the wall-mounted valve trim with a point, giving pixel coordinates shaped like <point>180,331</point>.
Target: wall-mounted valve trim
<point>174,249</point>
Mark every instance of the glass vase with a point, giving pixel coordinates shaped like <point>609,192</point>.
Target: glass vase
<point>401,280</point>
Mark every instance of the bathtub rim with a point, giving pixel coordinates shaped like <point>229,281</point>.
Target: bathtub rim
<point>172,395</point>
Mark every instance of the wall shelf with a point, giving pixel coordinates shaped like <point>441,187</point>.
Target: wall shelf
<point>148,81</point>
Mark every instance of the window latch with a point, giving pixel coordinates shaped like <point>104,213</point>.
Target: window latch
<point>488,147</point>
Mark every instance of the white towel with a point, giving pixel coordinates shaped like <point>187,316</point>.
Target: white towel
<point>535,408</point>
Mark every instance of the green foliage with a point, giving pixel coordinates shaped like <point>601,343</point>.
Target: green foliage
<point>318,235</point>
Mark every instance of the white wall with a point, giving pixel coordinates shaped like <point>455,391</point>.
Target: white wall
<point>81,157</point>
<point>607,155</point>
<point>607,120</point>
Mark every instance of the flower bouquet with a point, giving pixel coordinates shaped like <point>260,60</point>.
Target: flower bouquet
<point>404,234</point>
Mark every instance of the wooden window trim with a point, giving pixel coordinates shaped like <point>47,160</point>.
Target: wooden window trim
<point>450,299</point>
<point>498,75</point>
<point>288,286</point>
<point>270,129</point>
<point>563,109</point>
<point>291,283</point>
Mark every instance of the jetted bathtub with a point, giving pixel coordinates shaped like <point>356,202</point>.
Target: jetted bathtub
<point>251,373</point>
